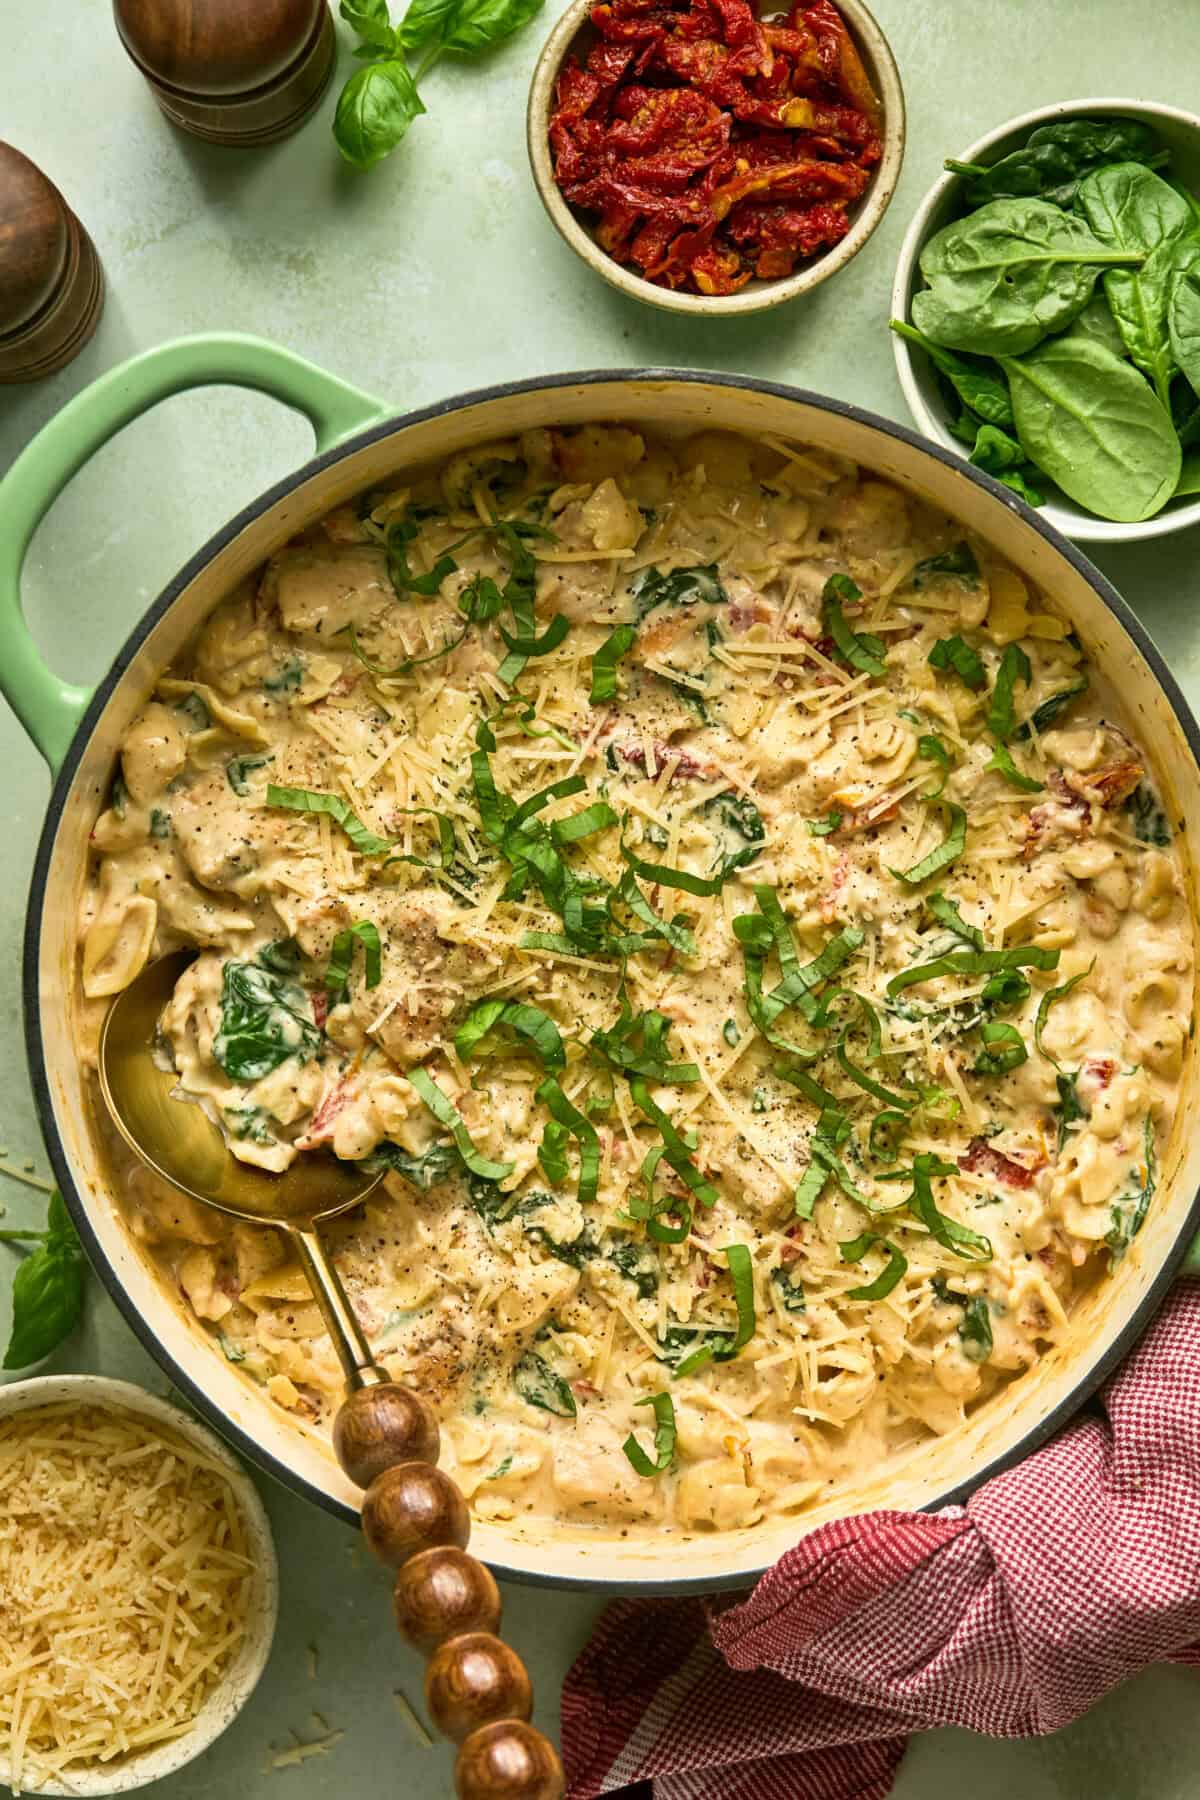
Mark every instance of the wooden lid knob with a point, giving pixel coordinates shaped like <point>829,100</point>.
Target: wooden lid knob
<point>508,1761</point>
<point>215,48</point>
<point>33,239</point>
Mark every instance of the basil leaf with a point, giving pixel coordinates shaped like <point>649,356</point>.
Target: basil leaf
<point>664,1438</point>
<point>975,1329</point>
<point>1095,427</point>
<point>661,876</point>
<point>238,768</point>
<point>617,644</point>
<point>447,1114</point>
<point>374,111</point>
<point>408,663</point>
<point>979,385</point>
<point>1001,763</point>
<point>676,1150</point>
<point>950,848</point>
<point>491,1025</point>
<point>1001,714</point>
<point>47,1288</point>
<point>538,1384</point>
<point>447,842</point>
<point>636,1046</point>
<point>700,584</point>
<point>946,913</point>
<point>307,801</point>
<point>597,817</point>
<point>341,958</point>
<point>948,1232</point>
<point>1008,988</point>
<point>854,1249</point>
<point>466,27</point>
<point>862,650</point>
<point>741,1270</point>
<point>266,1018</point>
<point>1049,999</point>
<point>954,656</point>
<point>370,19</point>
<point>524,645</point>
<point>974,962</point>
<point>931,749</point>
<point>1050,710</point>
<point>824,827</point>
<point>1005,1048</point>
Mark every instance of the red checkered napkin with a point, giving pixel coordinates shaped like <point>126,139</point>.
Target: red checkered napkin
<point>1010,1615</point>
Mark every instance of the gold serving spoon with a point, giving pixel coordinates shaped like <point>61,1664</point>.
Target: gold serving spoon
<point>385,1435</point>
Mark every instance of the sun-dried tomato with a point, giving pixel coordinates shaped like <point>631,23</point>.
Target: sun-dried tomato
<point>709,146</point>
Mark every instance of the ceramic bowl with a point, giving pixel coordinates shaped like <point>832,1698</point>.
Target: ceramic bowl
<point>1180,131</point>
<point>241,1677</point>
<point>573,27</point>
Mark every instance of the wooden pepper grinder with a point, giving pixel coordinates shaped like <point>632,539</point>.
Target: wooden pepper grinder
<point>243,72</point>
<point>51,285</point>
<point>447,1603</point>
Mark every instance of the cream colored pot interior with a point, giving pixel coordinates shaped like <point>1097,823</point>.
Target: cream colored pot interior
<point>232,1401</point>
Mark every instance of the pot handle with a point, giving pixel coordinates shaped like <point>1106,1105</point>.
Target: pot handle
<point>48,707</point>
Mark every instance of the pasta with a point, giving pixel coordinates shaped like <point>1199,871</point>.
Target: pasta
<point>717,891</point>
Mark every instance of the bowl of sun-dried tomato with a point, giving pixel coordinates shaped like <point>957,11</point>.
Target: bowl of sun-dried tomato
<point>712,158</point>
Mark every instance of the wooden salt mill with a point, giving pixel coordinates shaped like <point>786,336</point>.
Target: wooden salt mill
<point>235,72</point>
<point>51,284</point>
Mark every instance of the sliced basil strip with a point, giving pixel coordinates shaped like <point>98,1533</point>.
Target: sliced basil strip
<point>447,1114</point>
<point>1004,1048</point>
<point>1001,718</point>
<point>307,801</point>
<point>664,1438</point>
<point>954,656</point>
<point>947,913</point>
<point>475,1036</point>
<point>1050,999</point>
<point>341,957</point>
<point>893,1271</point>
<point>617,644</point>
<point>568,1116</point>
<point>861,649</point>
<point>948,851</point>
<point>973,962</point>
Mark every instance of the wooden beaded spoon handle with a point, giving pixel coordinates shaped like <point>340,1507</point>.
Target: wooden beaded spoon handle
<point>385,1435</point>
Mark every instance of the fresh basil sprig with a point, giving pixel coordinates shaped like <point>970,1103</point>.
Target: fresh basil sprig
<point>380,102</point>
<point>47,1289</point>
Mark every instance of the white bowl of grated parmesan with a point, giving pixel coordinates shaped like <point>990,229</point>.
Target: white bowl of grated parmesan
<point>138,1587</point>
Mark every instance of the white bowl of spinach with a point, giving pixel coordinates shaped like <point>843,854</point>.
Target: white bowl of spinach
<point>1046,314</point>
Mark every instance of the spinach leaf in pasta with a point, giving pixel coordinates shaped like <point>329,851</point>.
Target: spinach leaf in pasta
<point>266,1018</point>
<point>540,1385</point>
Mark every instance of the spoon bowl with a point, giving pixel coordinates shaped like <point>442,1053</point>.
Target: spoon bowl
<point>176,1137</point>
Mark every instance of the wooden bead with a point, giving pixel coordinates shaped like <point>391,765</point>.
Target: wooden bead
<point>475,1680</point>
<point>441,1593</point>
<point>508,1761</point>
<point>378,1427</point>
<point>410,1508</point>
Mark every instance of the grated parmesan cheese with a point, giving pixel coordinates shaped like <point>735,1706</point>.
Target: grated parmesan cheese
<point>124,1587</point>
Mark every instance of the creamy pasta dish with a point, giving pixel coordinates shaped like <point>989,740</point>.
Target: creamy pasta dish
<point>717,893</point>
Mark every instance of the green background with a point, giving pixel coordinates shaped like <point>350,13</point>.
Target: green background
<point>436,273</point>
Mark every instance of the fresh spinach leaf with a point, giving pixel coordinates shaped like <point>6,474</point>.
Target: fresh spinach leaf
<point>699,585</point>
<point>1050,710</point>
<point>266,1017</point>
<point>1052,160</point>
<point>1131,208</point>
<point>791,1293</point>
<point>426,1169</point>
<point>1150,823</point>
<point>1129,1211</point>
<point>1096,323</point>
<point>1002,457</point>
<point>537,1383</point>
<point>1091,423</point>
<point>958,561</point>
<point>979,385</point>
<point>1183,309</point>
<point>1003,277</point>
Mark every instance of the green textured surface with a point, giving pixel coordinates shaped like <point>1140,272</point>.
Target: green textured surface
<point>438,272</point>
